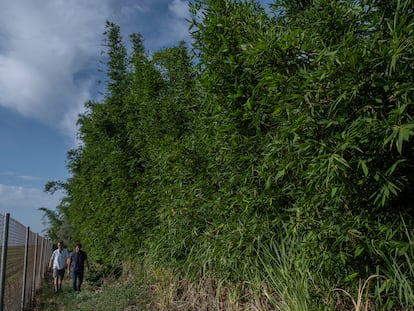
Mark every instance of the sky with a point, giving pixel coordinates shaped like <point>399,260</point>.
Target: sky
<point>50,54</point>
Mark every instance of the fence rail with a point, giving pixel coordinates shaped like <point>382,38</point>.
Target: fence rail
<point>24,258</point>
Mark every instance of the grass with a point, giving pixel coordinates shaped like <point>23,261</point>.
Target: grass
<point>133,292</point>
<point>161,292</point>
<point>362,302</point>
<point>125,293</point>
<point>281,281</point>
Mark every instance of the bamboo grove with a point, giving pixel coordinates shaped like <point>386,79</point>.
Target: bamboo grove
<point>287,129</point>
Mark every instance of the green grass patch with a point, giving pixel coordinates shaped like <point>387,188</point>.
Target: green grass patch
<point>124,293</point>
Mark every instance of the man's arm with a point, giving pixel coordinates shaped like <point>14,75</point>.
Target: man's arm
<point>68,261</point>
<point>51,261</point>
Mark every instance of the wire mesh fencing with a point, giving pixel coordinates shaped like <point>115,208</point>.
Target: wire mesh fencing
<point>24,259</point>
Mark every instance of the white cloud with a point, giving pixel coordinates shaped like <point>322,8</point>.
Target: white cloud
<point>43,46</point>
<point>180,9</point>
<point>28,177</point>
<point>50,50</point>
<point>173,28</point>
<point>131,10</point>
<point>179,24</point>
<point>15,175</point>
<point>23,203</point>
<point>68,123</point>
<point>8,173</point>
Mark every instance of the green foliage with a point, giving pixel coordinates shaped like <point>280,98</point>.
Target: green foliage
<point>59,225</point>
<point>294,122</point>
<point>284,265</point>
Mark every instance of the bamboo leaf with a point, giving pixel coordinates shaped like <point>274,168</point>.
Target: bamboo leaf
<point>364,167</point>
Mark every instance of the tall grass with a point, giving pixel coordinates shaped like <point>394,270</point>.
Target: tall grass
<point>280,279</point>
<point>392,287</point>
<point>285,268</point>
<point>398,269</point>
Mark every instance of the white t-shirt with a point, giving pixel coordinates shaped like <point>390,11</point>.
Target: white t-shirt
<point>59,258</point>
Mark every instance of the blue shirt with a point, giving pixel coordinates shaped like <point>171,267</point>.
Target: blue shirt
<point>77,261</point>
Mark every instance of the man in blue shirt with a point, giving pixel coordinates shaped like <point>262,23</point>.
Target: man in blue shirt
<point>77,262</point>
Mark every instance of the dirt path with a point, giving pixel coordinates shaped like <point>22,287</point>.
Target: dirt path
<point>46,299</point>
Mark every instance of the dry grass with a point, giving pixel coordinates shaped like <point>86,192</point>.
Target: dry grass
<point>160,291</point>
<point>208,294</point>
<point>136,292</point>
<point>362,301</point>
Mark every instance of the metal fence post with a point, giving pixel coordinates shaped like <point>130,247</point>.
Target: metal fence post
<point>42,260</point>
<point>26,252</point>
<point>4,259</point>
<point>34,270</point>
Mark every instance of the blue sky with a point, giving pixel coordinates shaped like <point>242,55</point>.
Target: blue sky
<point>49,61</point>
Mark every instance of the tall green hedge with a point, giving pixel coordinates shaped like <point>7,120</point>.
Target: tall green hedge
<point>290,121</point>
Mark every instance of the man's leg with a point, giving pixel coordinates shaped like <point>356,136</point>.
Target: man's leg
<point>73,274</point>
<point>55,279</point>
<point>60,279</point>
<point>80,275</point>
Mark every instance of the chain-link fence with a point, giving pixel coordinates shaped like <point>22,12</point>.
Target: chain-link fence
<point>24,259</point>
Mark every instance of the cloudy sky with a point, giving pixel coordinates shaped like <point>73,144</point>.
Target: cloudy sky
<point>49,67</point>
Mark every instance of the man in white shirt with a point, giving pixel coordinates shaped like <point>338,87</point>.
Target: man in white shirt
<point>58,263</point>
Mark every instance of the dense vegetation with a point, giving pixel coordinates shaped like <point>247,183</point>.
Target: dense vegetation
<point>277,151</point>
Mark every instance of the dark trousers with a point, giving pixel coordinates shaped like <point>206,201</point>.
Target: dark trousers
<point>77,279</point>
